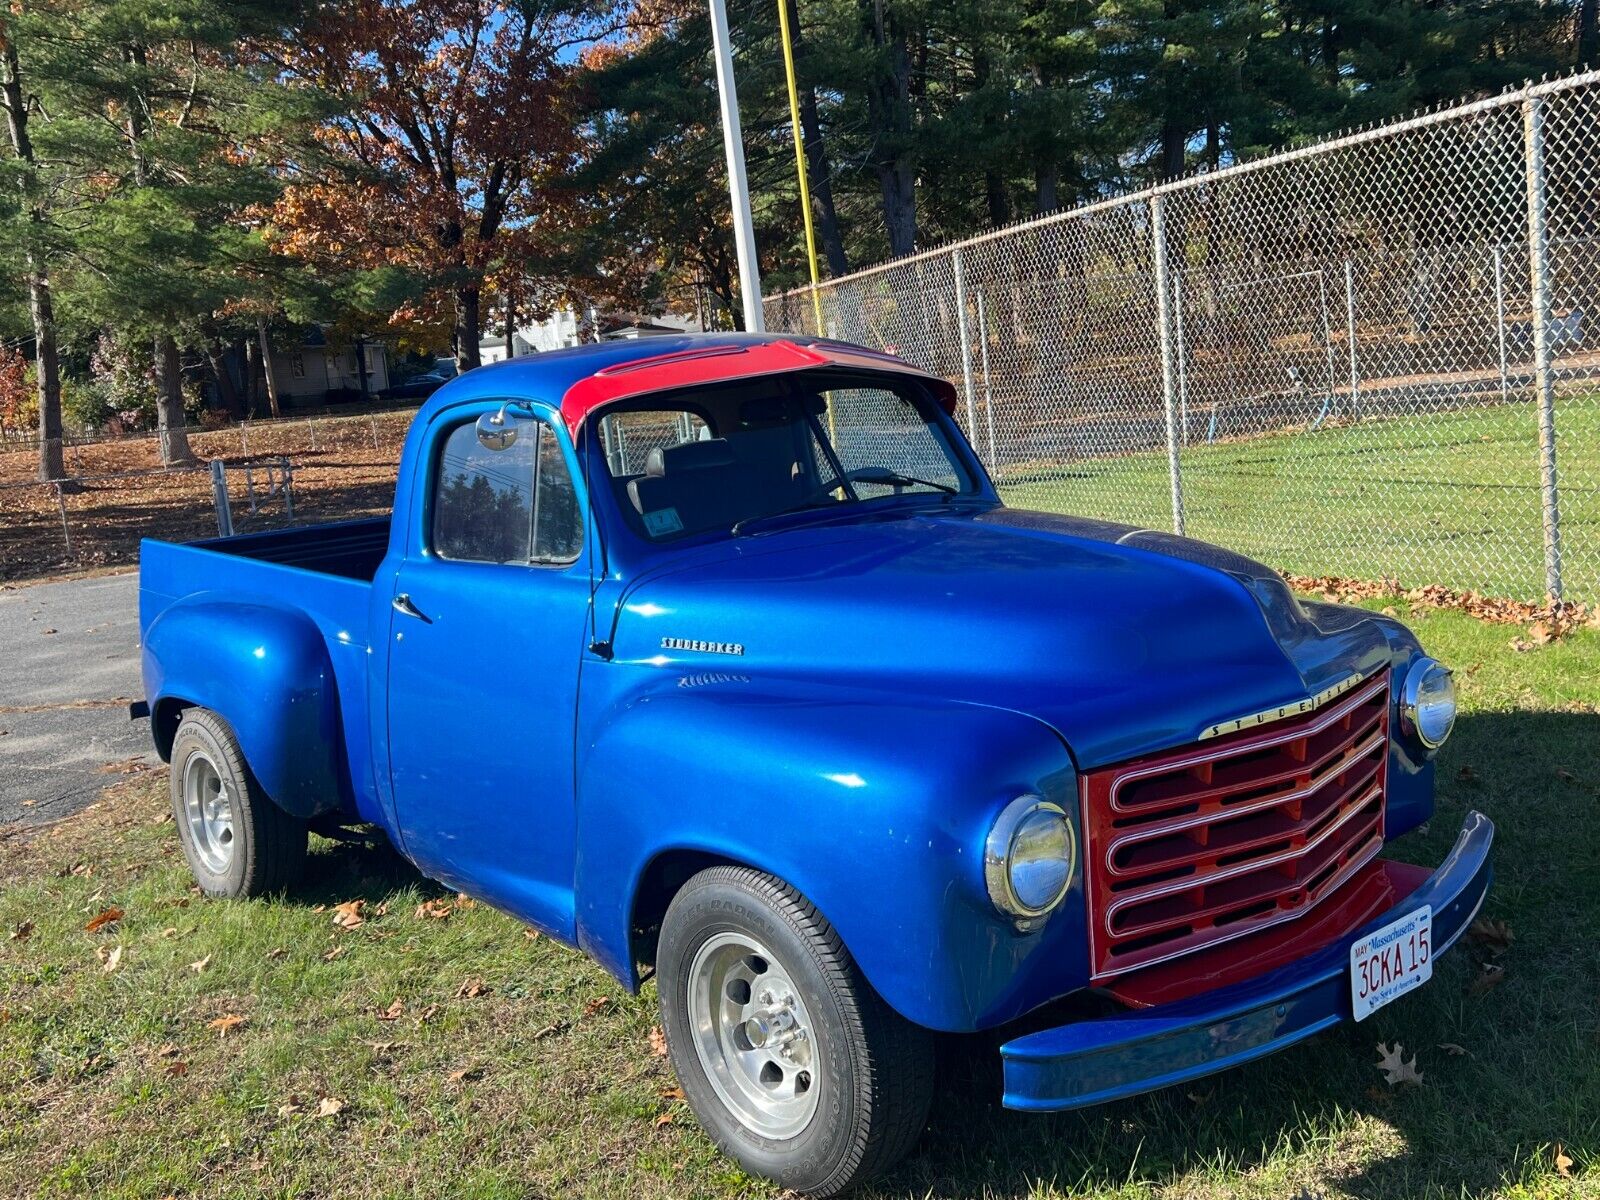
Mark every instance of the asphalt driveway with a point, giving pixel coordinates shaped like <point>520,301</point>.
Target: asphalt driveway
<point>69,665</point>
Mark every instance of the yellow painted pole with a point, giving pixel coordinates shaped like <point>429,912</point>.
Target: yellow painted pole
<point>800,160</point>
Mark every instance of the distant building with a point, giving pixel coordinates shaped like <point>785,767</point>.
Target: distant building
<point>316,372</point>
<point>565,327</point>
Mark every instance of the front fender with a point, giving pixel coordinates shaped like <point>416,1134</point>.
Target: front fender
<point>876,808</point>
<point>267,672</point>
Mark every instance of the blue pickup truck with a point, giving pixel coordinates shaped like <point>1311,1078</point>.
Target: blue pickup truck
<point>720,658</point>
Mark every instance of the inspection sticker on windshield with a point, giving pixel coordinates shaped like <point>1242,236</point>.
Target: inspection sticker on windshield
<point>1389,962</point>
<point>663,520</point>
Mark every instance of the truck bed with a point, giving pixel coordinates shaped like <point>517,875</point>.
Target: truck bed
<point>324,572</point>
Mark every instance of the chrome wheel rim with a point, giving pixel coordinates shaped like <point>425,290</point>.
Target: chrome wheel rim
<point>208,810</point>
<point>753,1036</point>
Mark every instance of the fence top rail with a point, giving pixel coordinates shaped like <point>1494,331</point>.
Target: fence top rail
<point>1329,145</point>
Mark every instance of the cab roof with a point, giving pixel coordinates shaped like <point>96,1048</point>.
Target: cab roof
<point>581,379</point>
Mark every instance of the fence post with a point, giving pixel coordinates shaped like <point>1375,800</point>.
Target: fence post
<point>966,344</point>
<point>1183,358</point>
<point>1169,391</point>
<point>1500,319</point>
<point>288,487</point>
<point>1350,332</point>
<point>374,422</point>
<point>1539,278</point>
<point>219,497</point>
<point>988,387</point>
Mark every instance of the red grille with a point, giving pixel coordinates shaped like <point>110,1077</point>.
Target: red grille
<point>1194,846</point>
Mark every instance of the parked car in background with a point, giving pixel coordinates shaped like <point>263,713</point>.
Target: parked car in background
<point>720,658</point>
<point>418,387</point>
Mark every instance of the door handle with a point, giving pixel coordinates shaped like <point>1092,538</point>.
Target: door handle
<point>402,604</point>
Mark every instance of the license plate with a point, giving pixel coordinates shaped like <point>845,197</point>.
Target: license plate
<point>1389,962</point>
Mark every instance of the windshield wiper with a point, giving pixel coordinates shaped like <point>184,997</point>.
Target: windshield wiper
<point>744,526</point>
<point>885,477</point>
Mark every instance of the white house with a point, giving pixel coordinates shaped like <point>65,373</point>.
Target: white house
<point>565,327</point>
<point>308,372</point>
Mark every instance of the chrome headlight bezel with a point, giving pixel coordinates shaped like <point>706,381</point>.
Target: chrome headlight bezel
<point>999,861</point>
<point>1413,697</point>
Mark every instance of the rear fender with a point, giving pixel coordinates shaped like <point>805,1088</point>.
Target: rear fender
<point>267,672</point>
<point>875,809</point>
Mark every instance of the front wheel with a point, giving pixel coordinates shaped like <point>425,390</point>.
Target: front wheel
<point>236,840</point>
<point>794,1065</point>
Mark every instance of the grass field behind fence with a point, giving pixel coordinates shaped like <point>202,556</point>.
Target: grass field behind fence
<point>455,1056</point>
<point>1451,498</point>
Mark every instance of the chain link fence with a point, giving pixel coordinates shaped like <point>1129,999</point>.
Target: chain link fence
<point>1377,356</point>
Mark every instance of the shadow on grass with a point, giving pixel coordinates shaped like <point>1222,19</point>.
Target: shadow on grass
<point>1530,1077</point>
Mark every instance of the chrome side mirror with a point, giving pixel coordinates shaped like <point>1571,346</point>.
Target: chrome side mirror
<point>496,430</point>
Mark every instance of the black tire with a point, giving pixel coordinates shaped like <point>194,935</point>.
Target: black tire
<point>266,847</point>
<point>877,1067</point>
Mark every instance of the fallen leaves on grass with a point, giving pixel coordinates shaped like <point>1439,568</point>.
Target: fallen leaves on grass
<point>1453,1050</point>
<point>1546,622</point>
<point>595,1005</point>
<point>178,1069</point>
<point>532,935</point>
<point>1494,936</point>
<point>426,1016</point>
<point>199,965</point>
<point>276,953</point>
<point>1490,975</point>
<point>433,910</point>
<point>549,1031</point>
<point>330,1106</point>
<point>22,932</point>
<point>109,962</point>
<point>658,1042</point>
<point>672,1093</point>
<point>465,1075</point>
<point>106,917</point>
<point>1563,1162</point>
<point>226,1024</point>
<point>393,1012</point>
<point>472,989</point>
<point>336,952</point>
<point>666,1118</point>
<point>1395,1068</point>
<point>348,914</point>
<point>171,931</point>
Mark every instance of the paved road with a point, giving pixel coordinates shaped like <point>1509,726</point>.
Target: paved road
<point>69,664</point>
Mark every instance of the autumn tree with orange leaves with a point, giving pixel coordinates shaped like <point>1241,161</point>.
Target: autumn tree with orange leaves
<point>457,129</point>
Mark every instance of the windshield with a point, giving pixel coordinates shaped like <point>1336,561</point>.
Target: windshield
<point>728,458</point>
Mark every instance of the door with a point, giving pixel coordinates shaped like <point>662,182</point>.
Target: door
<point>486,638</point>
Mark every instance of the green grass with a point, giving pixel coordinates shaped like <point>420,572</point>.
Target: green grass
<point>1450,498</point>
<point>565,1097</point>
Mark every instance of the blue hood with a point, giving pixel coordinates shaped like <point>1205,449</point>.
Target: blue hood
<point>1122,640</point>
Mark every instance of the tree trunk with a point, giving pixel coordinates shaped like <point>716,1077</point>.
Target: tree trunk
<point>268,371</point>
<point>1588,33</point>
<point>822,186</point>
<point>41,305</point>
<point>170,423</point>
<point>1174,142</point>
<point>1047,189</point>
<point>227,394</point>
<point>466,329</point>
<point>889,113</point>
<point>511,327</point>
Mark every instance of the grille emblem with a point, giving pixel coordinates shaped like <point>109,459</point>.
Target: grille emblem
<point>1268,715</point>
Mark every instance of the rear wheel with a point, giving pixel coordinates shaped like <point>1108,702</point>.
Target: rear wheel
<point>236,840</point>
<point>792,1062</point>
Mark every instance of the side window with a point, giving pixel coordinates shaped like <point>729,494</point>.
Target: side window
<point>515,505</point>
<point>628,437</point>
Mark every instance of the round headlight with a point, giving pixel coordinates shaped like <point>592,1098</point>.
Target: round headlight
<point>1029,858</point>
<point>1428,702</point>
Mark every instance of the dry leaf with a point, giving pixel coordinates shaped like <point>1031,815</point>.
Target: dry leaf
<point>226,1024</point>
<point>336,952</point>
<point>166,1050</point>
<point>22,932</point>
<point>532,935</point>
<point>1565,775</point>
<point>200,964</point>
<point>383,1049</point>
<point>658,1042</point>
<point>1492,975</point>
<point>465,1074</point>
<point>289,1107</point>
<point>392,1013</point>
<point>672,1093</point>
<point>1540,633</point>
<point>548,1031</point>
<point>436,910</point>
<point>427,1014</point>
<point>1454,1050</point>
<point>104,919</point>
<point>1395,1068</point>
<point>595,1005</point>
<point>112,960</point>
<point>171,931</point>
<point>177,1069</point>
<point>1496,936</point>
<point>276,953</point>
<point>665,1118</point>
<point>465,901</point>
<point>348,914</point>
<point>330,1106</point>
<point>1563,1162</point>
<point>471,990</point>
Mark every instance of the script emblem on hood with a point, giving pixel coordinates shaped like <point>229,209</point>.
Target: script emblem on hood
<point>1266,716</point>
<point>695,644</point>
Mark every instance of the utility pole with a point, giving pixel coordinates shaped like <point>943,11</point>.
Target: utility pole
<point>738,186</point>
